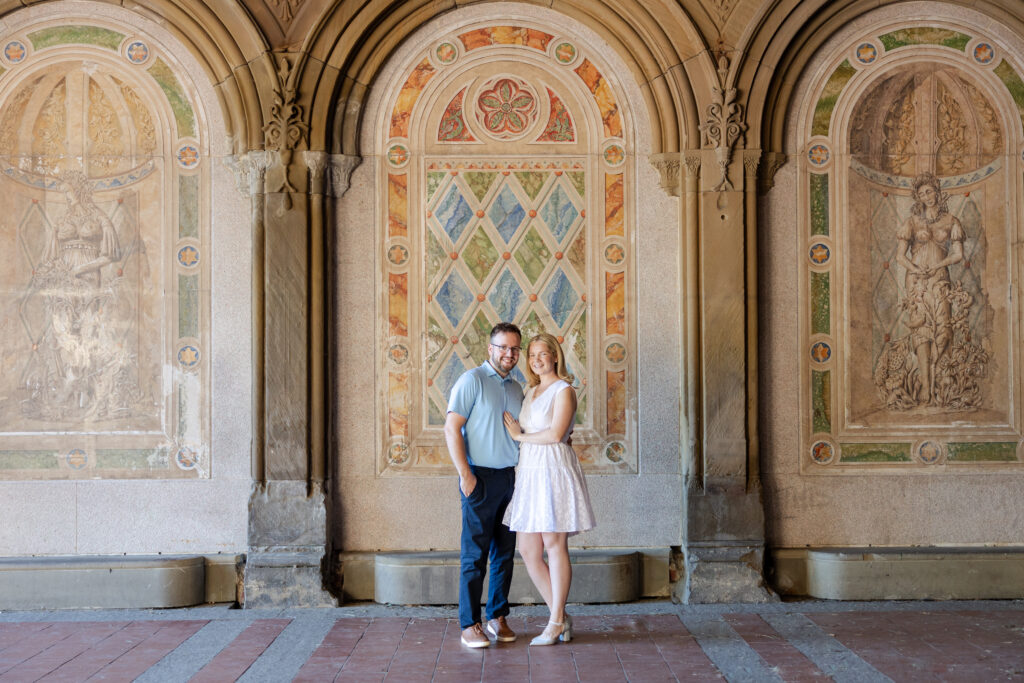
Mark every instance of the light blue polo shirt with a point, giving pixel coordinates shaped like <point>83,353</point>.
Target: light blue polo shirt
<point>481,396</point>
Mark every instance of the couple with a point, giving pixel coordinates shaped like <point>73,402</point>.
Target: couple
<point>547,504</point>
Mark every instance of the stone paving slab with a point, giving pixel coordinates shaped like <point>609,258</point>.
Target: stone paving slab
<point>645,641</point>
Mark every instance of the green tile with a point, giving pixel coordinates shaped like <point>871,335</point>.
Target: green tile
<point>577,255</point>
<point>821,392</point>
<point>819,204</point>
<point>875,452</point>
<point>477,337</point>
<point>435,416</point>
<point>1013,83</point>
<point>436,339</point>
<point>132,459</point>
<point>925,35</point>
<point>436,256</point>
<point>76,35</point>
<point>581,409</point>
<point>531,326</point>
<point>579,332</point>
<point>982,452</point>
<point>829,94</point>
<point>434,180</point>
<point>579,181</point>
<point>820,303</point>
<point>188,206</point>
<point>532,181</point>
<point>533,255</point>
<point>29,460</point>
<point>479,182</point>
<point>182,410</point>
<point>168,82</point>
<point>188,306</point>
<point>480,255</point>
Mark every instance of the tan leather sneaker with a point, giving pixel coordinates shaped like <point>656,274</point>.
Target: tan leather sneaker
<point>500,630</point>
<point>474,636</point>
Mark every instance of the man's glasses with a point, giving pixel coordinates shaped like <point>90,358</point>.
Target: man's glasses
<point>503,349</point>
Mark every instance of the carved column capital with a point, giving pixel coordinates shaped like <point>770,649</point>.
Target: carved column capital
<point>250,170</point>
<point>692,160</point>
<point>773,161</point>
<point>751,161</point>
<point>723,127</point>
<point>317,163</point>
<point>668,166</point>
<point>339,170</point>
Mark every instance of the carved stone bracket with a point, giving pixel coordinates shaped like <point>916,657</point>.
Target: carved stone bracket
<point>773,161</point>
<point>692,164</point>
<point>339,171</point>
<point>723,126</point>
<point>668,166</point>
<point>249,170</point>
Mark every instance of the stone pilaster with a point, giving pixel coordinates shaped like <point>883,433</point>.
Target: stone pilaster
<point>723,545</point>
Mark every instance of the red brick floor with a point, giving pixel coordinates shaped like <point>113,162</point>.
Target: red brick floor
<point>899,645</point>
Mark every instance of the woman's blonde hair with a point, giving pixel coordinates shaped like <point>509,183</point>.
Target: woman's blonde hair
<point>555,348</point>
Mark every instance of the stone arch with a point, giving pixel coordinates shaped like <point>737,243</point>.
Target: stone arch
<point>645,40</point>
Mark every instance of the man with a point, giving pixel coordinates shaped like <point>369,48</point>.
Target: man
<point>485,457</point>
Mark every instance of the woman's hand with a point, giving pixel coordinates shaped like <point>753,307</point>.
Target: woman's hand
<point>512,425</point>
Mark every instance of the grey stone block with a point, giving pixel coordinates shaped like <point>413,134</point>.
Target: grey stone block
<point>102,582</point>
<point>433,578</point>
<point>286,579</point>
<point>901,573</point>
<point>719,573</point>
<point>223,577</point>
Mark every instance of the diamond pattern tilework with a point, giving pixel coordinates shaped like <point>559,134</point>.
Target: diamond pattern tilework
<point>434,181</point>
<point>577,254</point>
<point>454,298</point>
<point>506,213</point>
<point>560,297</point>
<point>559,213</point>
<point>453,213</point>
<point>480,255</point>
<point>506,296</point>
<point>479,182</point>
<point>578,180</point>
<point>533,255</point>
<point>436,257</point>
<point>436,340</point>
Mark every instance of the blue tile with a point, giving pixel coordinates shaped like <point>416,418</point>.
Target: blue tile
<point>559,213</point>
<point>506,296</point>
<point>506,213</point>
<point>451,371</point>
<point>560,297</point>
<point>453,213</point>
<point>454,298</point>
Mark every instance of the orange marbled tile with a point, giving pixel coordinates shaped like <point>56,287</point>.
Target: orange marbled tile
<point>615,303</point>
<point>398,304</point>
<point>613,224</point>
<point>480,37</point>
<point>538,39</point>
<point>407,97</point>
<point>398,404</point>
<point>617,402</point>
<point>603,96</point>
<point>398,205</point>
<point>432,455</point>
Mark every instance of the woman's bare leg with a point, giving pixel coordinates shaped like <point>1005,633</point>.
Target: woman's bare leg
<point>531,547</point>
<point>559,572</point>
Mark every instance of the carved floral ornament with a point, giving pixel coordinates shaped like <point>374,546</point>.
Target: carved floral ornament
<point>723,125</point>
<point>286,127</point>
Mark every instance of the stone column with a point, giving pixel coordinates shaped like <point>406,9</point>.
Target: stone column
<point>287,513</point>
<point>723,544</point>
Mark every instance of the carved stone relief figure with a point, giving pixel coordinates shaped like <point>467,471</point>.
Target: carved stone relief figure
<point>78,302</point>
<point>925,207</point>
<point>935,364</point>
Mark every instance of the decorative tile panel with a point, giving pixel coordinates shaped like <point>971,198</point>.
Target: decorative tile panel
<point>908,306</point>
<point>105,294</point>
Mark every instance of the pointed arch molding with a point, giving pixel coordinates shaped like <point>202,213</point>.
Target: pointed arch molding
<point>105,318</point>
<point>909,175</point>
<point>353,41</point>
<point>506,183</point>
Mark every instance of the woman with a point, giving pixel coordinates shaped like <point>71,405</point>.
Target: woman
<point>550,502</point>
<point>925,236</point>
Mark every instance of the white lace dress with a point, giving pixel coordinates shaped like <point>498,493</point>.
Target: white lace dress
<point>551,493</point>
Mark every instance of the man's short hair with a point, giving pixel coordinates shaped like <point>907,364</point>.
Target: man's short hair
<point>505,327</point>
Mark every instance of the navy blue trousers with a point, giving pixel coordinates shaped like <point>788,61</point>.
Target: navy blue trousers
<point>483,536</point>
